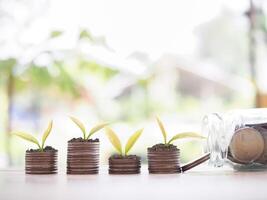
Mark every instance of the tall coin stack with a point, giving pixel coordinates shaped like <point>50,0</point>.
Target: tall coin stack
<point>41,162</point>
<point>83,157</point>
<point>163,162</point>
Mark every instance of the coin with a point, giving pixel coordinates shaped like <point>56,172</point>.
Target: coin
<point>83,157</point>
<point>163,161</point>
<point>41,162</point>
<point>124,165</point>
<point>246,145</point>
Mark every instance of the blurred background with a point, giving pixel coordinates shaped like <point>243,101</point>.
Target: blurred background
<point>126,61</point>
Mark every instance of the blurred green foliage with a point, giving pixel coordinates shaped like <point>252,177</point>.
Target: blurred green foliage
<point>102,71</point>
<point>55,34</point>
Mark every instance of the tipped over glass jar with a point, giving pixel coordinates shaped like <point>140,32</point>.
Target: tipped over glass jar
<point>237,137</point>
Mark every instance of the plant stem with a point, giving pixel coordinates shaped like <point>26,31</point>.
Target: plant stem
<point>40,147</point>
<point>84,136</point>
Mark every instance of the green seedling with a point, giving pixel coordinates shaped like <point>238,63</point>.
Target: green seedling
<point>177,136</point>
<point>96,128</point>
<point>32,139</point>
<point>115,141</point>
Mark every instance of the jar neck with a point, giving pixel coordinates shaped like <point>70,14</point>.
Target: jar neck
<point>219,129</point>
<point>212,126</point>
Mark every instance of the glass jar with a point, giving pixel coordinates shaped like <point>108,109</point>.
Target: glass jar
<point>237,137</point>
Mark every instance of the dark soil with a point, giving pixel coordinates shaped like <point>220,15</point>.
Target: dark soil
<point>117,156</point>
<point>46,149</point>
<point>163,147</point>
<point>83,140</point>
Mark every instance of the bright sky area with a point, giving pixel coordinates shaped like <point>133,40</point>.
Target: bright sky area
<point>152,27</point>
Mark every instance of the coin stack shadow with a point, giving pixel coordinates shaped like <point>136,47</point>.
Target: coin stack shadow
<point>41,162</point>
<point>163,162</point>
<point>83,158</point>
<point>124,165</point>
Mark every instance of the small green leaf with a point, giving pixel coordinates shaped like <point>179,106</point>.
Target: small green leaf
<point>27,137</point>
<point>132,140</point>
<point>114,140</point>
<point>162,130</point>
<point>55,34</point>
<point>186,135</point>
<point>96,128</point>
<point>46,133</point>
<point>80,125</point>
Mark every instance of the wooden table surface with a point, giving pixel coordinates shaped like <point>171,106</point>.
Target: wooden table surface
<point>196,184</point>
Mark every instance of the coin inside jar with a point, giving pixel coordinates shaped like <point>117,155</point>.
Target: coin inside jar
<point>247,145</point>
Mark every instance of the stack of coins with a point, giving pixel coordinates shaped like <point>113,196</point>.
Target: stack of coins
<point>38,162</point>
<point>83,158</point>
<point>163,162</point>
<point>124,165</point>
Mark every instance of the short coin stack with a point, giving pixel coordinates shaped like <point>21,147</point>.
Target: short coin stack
<point>163,159</point>
<point>83,157</point>
<point>41,162</point>
<point>124,164</point>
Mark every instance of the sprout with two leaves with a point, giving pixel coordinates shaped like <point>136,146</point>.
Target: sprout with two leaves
<point>115,141</point>
<point>93,130</point>
<point>32,139</point>
<point>177,136</point>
